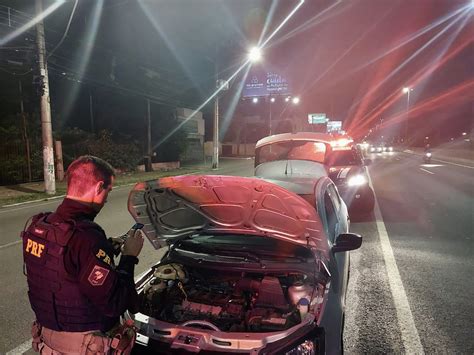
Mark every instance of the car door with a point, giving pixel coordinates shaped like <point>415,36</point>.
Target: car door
<point>333,214</point>
<point>335,218</point>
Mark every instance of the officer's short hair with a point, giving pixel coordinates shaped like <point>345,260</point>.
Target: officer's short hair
<point>88,170</point>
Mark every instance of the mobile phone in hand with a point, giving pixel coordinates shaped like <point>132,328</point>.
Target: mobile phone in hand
<point>138,226</point>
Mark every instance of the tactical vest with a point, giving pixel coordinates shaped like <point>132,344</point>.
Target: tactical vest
<point>54,294</point>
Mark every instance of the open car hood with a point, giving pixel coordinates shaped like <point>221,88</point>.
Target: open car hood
<point>173,208</point>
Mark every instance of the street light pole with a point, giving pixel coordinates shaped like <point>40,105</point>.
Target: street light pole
<point>271,102</point>
<point>215,142</point>
<point>221,85</point>
<point>407,91</point>
<point>148,162</point>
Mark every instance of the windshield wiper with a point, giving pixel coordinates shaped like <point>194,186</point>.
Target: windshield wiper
<point>216,251</point>
<point>231,252</point>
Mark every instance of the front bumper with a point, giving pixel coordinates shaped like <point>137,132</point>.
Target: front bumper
<point>182,340</point>
<point>304,341</point>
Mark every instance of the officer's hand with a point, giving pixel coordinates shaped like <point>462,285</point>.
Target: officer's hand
<point>134,242</point>
<point>116,241</point>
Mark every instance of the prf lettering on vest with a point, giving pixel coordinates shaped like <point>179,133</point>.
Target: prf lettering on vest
<point>34,248</point>
<point>102,255</point>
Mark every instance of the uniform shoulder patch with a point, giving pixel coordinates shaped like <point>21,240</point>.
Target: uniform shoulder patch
<point>98,275</point>
<point>102,255</point>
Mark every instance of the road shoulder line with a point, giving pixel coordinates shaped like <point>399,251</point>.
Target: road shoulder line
<point>406,323</point>
<point>20,349</point>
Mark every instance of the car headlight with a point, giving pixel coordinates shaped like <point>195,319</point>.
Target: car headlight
<point>428,155</point>
<point>390,149</point>
<point>308,347</point>
<point>356,180</point>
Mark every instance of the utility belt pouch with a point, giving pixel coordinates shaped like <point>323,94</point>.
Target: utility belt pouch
<point>36,335</point>
<point>95,344</point>
<point>124,339</point>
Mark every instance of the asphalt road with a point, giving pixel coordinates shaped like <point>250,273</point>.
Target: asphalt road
<point>427,212</point>
<point>411,286</point>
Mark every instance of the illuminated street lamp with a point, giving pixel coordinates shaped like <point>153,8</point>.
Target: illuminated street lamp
<point>296,100</point>
<point>255,54</point>
<point>272,99</point>
<point>255,100</point>
<point>464,133</point>
<point>287,99</point>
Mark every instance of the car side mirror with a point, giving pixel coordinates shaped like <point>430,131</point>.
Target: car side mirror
<point>346,242</point>
<point>367,161</point>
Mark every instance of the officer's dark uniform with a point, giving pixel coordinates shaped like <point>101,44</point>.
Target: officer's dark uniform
<point>73,283</point>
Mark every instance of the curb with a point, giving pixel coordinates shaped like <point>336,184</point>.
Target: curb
<point>61,196</point>
<point>33,201</point>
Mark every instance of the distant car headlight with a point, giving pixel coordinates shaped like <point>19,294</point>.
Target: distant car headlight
<point>379,149</point>
<point>372,149</point>
<point>308,347</point>
<point>356,180</point>
<point>428,155</point>
<point>390,149</point>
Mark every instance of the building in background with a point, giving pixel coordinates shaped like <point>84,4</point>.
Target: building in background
<point>194,128</point>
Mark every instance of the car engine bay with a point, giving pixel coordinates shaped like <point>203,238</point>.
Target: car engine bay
<point>229,301</point>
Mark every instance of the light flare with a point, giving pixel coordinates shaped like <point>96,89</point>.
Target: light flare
<point>39,17</point>
<point>84,54</point>
<point>247,61</point>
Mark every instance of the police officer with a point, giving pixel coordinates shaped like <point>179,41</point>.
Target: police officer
<point>75,290</point>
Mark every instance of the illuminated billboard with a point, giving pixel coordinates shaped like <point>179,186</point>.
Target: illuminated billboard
<point>334,126</point>
<point>261,82</point>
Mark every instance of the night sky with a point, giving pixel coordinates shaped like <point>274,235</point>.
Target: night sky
<point>349,59</point>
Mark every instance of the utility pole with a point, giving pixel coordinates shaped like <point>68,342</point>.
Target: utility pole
<point>46,128</point>
<point>25,132</point>
<point>91,111</point>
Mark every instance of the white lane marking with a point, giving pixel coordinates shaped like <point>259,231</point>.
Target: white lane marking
<point>432,165</point>
<point>443,161</point>
<point>9,244</point>
<point>406,323</point>
<point>461,165</point>
<point>427,171</point>
<point>20,349</point>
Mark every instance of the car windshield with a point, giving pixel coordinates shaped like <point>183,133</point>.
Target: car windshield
<point>342,158</point>
<point>291,150</point>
